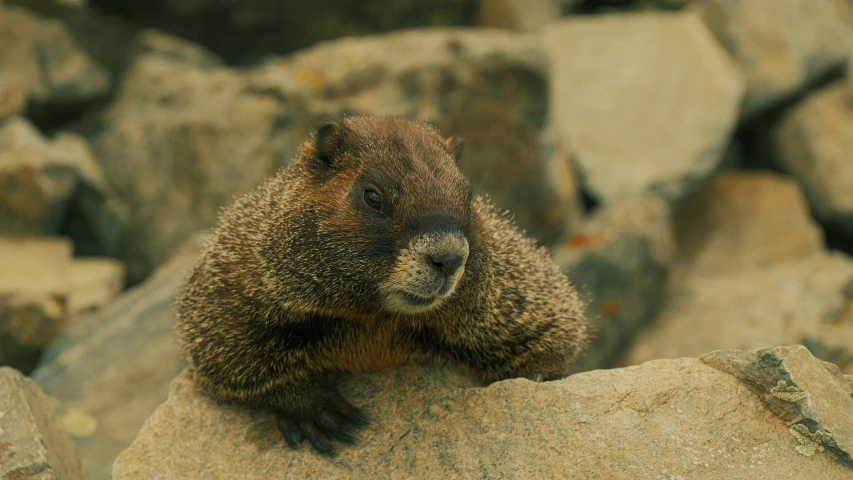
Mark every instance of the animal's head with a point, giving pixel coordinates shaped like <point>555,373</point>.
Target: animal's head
<point>393,215</point>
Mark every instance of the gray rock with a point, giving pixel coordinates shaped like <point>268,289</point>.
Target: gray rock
<point>33,444</point>
<point>53,187</point>
<point>646,101</point>
<point>813,142</point>
<point>783,46</point>
<point>34,291</point>
<point>43,68</point>
<point>180,141</point>
<point>112,367</point>
<point>620,261</point>
<point>663,419</point>
<point>807,301</point>
<point>745,219</point>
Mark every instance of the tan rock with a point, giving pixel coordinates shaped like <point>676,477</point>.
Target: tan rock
<point>814,142</point>
<point>181,141</point>
<point>33,444</point>
<point>664,419</point>
<point>783,46</point>
<point>42,63</point>
<point>111,368</point>
<point>34,289</point>
<point>745,219</point>
<point>521,15</point>
<point>94,283</point>
<point>806,302</point>
<point>620,261</point>
<point>52,187</point>
<point>646,101</point>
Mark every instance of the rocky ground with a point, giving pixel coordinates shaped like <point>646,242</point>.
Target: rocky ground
<point>686,162</point>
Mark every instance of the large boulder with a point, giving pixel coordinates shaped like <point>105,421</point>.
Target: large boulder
<point>813,142</point>
<point>522,15</point>
<point>181,141</point>
<point>763,414</point>
<point>783,46</point>
<point>645,101</point>
<point>620,261</point>
<point>55,187</point>
<point>34,290</point>
<point>42,69</point>
<point>111,368</point>
<point>744,219</point>
<point>807,301</point>
<point>246,30</point>
<point>33,443</point>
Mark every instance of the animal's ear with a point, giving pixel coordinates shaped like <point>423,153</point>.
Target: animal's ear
<point>329,142</point>
<point>456,147</point>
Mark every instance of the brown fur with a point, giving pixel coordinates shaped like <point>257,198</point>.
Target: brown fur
<point>294,283</point>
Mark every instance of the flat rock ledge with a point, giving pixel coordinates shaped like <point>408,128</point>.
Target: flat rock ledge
<point>770,413</point>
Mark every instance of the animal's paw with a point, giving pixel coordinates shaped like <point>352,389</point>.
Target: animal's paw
<point>331,416</point>
<point>546,376</point>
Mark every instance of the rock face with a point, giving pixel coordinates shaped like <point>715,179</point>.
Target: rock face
<point>32,441</point>
<point>809,302</point>
<point>745,219</point>
<point>646,101</point>
<point>34,290</point>
<point>242,30</point>
<point>112,368</point>
<point>782,45</point>
<point>44,71</point>
<point>48,188</point>
<point>814,142</point>
<point>180,142</point>
<point>776,413</point>
<point>620,261</point>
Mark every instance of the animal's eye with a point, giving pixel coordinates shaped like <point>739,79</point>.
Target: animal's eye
<point>372,199</point>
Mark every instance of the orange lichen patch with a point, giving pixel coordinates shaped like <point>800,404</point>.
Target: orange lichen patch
<point>312,78</point>
<point>6,453</point>
<point>611,308</point>
<point>584,240</point>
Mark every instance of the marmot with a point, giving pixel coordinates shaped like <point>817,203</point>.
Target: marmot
<point>368,250</point>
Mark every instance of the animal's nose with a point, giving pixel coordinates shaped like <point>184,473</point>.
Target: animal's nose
<point>445,262</point>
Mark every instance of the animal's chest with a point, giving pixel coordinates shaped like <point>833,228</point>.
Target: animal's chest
<point>373,348</point>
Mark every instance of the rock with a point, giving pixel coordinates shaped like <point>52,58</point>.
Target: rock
<point>50,7</point>
<point>808,302</point>
<point>34,289</point>
<point>811,398</point>
<point>48,188</point>
<point>111,368</point>
<point>180,141</point>
<point>32,441</point>
<point>646,101</point>
<point>176,49</point>
<point>813,142</point>
<point>683,418</point>
<point>243,31</point>
<point>525,16</point>
<point>743,219</point>
<point>94,283</point>
<point>36,182</point>
<point>783,46</point>
<point>620,261</point>
<point>44,71</point>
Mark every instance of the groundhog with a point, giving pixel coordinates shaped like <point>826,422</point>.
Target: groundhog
<point>370,249</point>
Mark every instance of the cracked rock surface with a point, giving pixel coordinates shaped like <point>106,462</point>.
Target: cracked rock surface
<point>712,418</point>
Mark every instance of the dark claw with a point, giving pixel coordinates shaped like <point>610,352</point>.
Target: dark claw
<point>318,439</point>
<point>546,376</point>
<point>291,434</point>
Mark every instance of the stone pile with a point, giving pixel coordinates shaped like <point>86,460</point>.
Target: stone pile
<point>685,161</point>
